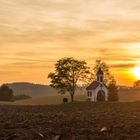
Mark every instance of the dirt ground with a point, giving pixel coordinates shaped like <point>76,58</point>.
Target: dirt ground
<point>78,121</point>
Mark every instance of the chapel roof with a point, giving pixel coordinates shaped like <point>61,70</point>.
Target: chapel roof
<point>93,85</point>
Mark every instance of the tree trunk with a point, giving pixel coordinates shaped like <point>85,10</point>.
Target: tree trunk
<point>72,97</point>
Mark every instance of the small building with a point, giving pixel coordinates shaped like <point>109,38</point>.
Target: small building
<point>97,90</point>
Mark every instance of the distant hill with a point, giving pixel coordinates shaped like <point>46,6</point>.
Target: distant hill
<point>41,91</point>
<point>33,90</point>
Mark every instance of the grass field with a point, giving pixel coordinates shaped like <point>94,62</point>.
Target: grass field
<point>48,100</point>
<point>124,96</point>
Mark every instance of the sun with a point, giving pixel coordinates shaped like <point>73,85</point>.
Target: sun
<point>136,72</point>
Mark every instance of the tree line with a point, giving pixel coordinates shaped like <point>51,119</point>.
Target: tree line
<point>70,73</point>
<point>7,94</point>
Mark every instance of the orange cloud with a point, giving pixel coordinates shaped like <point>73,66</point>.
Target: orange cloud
<point>35,34</point>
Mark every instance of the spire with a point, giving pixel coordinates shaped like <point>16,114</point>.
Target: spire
<point>100,72</point>
<point>100,75</point>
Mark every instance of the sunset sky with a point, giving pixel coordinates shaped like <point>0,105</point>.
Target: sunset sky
<point>34,34</point>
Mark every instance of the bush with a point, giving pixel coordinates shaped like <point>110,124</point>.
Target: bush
<point>113,92</point>
<point>113,97</point>
<point>21,97</point>
<point>6,94</point>
<point>65,100</point>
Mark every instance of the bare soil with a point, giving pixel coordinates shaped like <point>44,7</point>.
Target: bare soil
<point>78,121</point>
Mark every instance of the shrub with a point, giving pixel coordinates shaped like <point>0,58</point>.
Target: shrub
<point>113,92</point>
<point>65,100</point>
<point>6,94</point>
<point>21,97</point>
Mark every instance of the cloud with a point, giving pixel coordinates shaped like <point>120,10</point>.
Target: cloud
<point>35,34</point>
<point>123,65</point>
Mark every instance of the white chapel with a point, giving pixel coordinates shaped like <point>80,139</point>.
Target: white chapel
<point>97,90</point>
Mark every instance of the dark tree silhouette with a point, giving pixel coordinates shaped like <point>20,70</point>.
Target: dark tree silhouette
<point>68,72</point>
<point>108,78</point>
<point>113,92</point>
<point>136,83</point>
<point>6,94</point>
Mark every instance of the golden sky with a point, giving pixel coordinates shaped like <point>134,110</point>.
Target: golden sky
<point>34,34</point>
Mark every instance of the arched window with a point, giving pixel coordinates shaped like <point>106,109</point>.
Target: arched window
<point>101,79</point>
<point>90,94</point>
<point>98,78</point>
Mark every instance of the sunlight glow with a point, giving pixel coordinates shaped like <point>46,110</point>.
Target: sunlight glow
<point>136,72</point>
